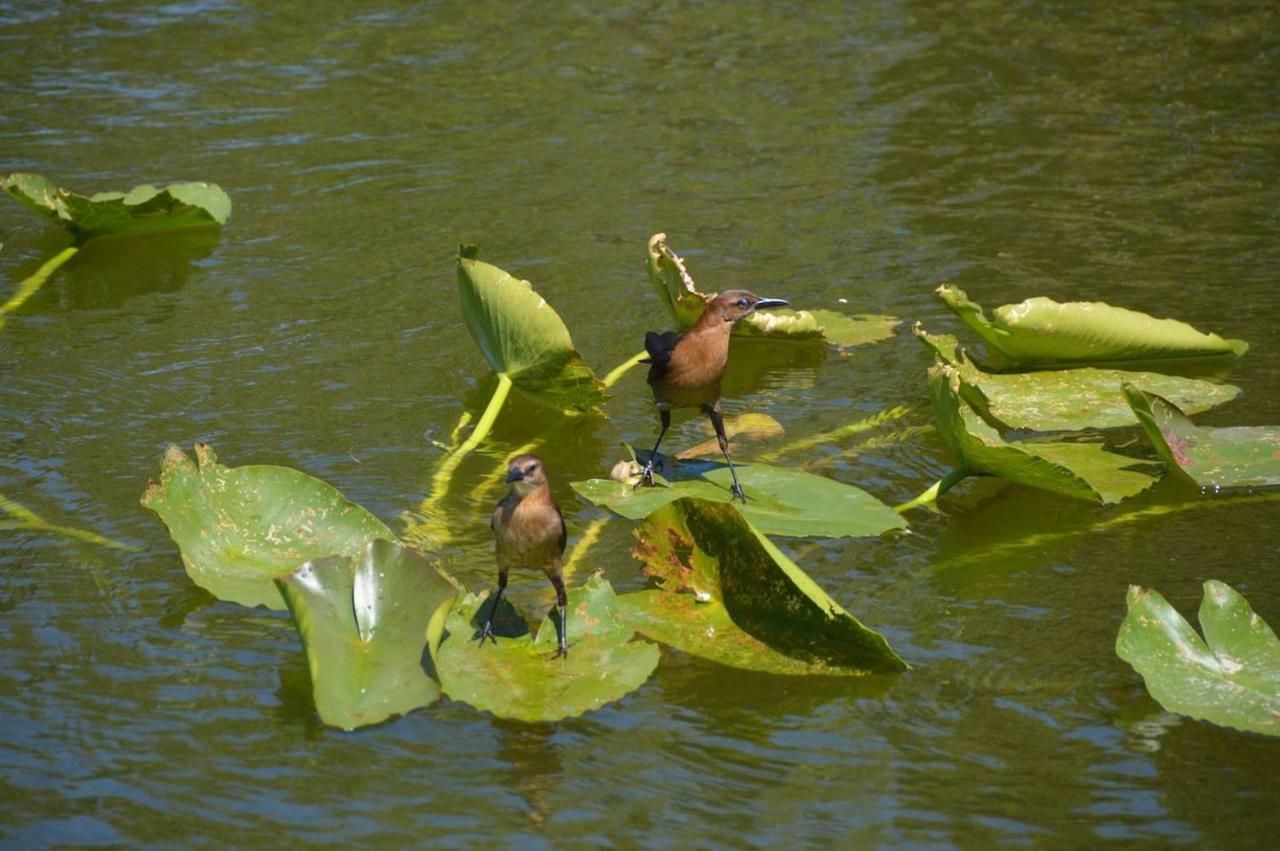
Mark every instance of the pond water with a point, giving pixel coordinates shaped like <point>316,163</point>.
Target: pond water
<point>867,152</point>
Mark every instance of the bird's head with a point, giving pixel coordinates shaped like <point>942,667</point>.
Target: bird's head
<point>732,305</point>
<point>526,474</point>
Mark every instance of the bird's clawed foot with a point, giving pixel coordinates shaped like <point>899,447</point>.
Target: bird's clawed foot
<point>562,652</point>
<point>487,632</point>
<point>646,475</point>
<point>738,493</point>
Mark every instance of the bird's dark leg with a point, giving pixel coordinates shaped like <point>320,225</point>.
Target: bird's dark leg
<point>646,477</point>
<point>562,602</point>
<point>487,632</point>
<point>717,420</point>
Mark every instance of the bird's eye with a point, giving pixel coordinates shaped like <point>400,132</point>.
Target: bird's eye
<point>742,302</point>
<point>530,468</point>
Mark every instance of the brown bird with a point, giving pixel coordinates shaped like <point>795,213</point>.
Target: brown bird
<point>530,534</point>
<point>686,368</point>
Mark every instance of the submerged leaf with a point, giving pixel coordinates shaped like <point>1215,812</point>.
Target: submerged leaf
<point>1068,399</point>
<point>670,278</point>
<point>1041,332</point>
<point>1081,470</point>
<point>518,678</point>
<point>1230,677</point>
<point>522,337</point>
<point>240,527</point>
<point>145,208</point>
<point>729,595</point>
<point>364,622</point>
<point>1236,457</point>
<point>780,501</point>
<point>747,426</point>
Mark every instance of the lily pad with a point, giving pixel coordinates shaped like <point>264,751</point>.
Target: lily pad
<point>1230,677</point>
<point>518,677</point>
<point>365,622</point>
<point>1040,332</point>
<point>1235,457</point>
<point>1067,399</point>
<point>522,337</point>
<point>676,288</point>
<point>729,595</point>
<point>240,527</point>
<point>145,208</point>
<point>1081,470</point>
<point>780,501</point>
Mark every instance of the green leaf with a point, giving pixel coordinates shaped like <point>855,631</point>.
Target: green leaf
<point>518,677</point>
<point>178,206</point>
<point>1230,677</point>
<point>522,337</point>
<point>780,501</point>
<point>758,610</point>
<point>364,623</point>
<point>1067,399</point>
<point>1236,457</point>
<point>240,527</point>
<point>678,292</point>
<point>1040,332</point>
<point>1081,470</point>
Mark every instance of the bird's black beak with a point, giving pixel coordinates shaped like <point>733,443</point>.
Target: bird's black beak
<point>514,475</point>
<point>772,302</point>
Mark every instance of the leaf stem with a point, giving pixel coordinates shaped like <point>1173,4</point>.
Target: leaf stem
<point>935,490</point>
<point>836,435</point>
<point>27,519</point>
<point>440,480</point>
<point>622,368</point>
<point>29,287</point>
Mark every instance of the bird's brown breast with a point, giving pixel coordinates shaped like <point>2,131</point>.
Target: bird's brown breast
<point>529,532</point>
<point>691,378</point>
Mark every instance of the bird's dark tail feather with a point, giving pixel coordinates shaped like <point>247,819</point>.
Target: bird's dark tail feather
<point>660,346</point>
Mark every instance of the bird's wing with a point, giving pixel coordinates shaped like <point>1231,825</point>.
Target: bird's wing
<point>659,347</point>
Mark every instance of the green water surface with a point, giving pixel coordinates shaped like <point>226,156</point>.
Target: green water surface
<point>817,152</point>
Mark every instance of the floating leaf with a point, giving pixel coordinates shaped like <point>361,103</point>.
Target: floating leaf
<point>1230,677</point>
<point>729,595</point>
<point>522,337</point>
<point>518,677</point>
<point>686,303</point>
<point>1080,470</point>
<point>1041,332</point>
<point>145,208</point>
<point>365,622</point>
<point>1236,457</point>
<point>240,527</point>
<point>1068,399</point>
<point>780,501</point>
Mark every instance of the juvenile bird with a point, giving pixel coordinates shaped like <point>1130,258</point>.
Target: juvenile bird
<point>686,368</point>
<point>530,534</point>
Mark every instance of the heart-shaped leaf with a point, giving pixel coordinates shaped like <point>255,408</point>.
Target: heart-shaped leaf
<point>729,595</point>
<point>1230,677</point>
<point>364,623</point>
<point>240,527</point>
<point>518,677</point>
<point>1068,399</point>
<point>1081,470</point>
<point>780,501</point>
<point>145,208</point>
<point>1040,332</point>
<point>674,285</point>
<point>522,337</point>
<point>1235,457</point>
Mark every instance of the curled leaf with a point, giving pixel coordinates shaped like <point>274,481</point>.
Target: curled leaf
<point>1234,457</point>
<point>364,623</point>
<point>1040,332</point>
<point>144,208</point>
<point>240,527</point>
<point>1230,677</point>
<point>729,595</point>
